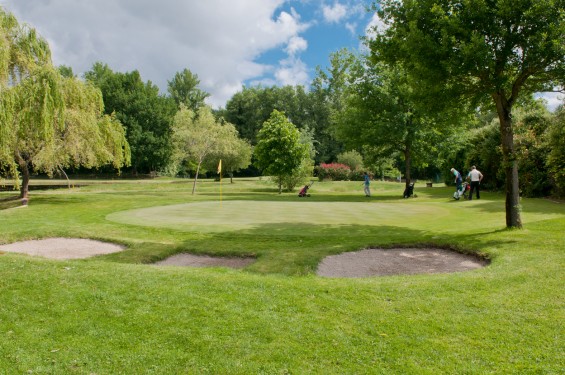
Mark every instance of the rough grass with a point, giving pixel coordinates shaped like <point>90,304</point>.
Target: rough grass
<point>113,314</point>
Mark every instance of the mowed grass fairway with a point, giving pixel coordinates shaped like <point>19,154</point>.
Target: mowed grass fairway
<point>116,314</point>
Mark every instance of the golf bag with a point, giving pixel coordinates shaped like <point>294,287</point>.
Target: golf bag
<point>409,191</point>
<point>462,192</point>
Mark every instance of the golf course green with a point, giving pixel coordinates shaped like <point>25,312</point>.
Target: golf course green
<point>119,314</point>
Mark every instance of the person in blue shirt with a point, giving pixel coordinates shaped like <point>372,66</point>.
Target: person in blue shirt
<point>366,184</point>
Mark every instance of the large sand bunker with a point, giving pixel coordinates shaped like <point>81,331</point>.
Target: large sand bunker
<point>62,248</point>
<point>382,262</point>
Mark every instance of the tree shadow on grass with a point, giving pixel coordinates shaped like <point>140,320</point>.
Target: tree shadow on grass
<point>287,197</point>
<point>538,206</point>
<point>10,202</point>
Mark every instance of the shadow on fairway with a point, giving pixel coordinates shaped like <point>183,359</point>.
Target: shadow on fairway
<point>10,202</point>
<point>312,198</point>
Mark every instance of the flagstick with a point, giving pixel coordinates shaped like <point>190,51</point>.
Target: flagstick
<point>220,172</point>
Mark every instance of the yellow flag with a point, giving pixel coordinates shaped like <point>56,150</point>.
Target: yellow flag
<point>220,166</point>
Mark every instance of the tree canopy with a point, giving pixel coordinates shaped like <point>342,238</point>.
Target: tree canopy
<point>200,139</point>
<point>479,51</point>
<point>234,152</point>
<point>381,114</point>
<point>145,114</point>
<point>183,88</point>
<point>251,107</point>
<point>279,151</point>
<point>48,121</point>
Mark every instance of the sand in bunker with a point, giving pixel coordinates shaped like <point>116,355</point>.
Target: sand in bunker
<point>382,262</point>
<point>191,260</point>
<point>62,248</point>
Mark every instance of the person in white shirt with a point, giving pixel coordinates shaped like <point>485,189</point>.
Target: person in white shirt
<point>476,177</point>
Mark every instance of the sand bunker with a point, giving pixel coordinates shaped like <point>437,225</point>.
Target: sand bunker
<point>190,260</point>
<point>62,248</point>
<point>382,262</point>
<point>364,263</point>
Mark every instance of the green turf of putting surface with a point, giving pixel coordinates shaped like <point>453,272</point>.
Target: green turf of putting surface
<point>215,216</point>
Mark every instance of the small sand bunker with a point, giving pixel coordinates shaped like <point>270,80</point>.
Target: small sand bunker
<point>62,248</point>
<point>382,262</point>
<point>191,260</point>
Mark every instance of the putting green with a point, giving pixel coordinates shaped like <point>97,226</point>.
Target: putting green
<point>213,216</point>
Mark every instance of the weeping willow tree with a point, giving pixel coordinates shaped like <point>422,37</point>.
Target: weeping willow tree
<point>49,122</point>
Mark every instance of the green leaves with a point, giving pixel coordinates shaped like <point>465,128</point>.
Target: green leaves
<point>48,121</point>
<point>183,88</point>
<point>279,151</point>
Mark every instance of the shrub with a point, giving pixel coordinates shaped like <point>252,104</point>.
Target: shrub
<point>333,171</point>
<point>353,159</point>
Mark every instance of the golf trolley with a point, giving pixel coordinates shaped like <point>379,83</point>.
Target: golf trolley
<point>462,192</point>
<point>304,191</point>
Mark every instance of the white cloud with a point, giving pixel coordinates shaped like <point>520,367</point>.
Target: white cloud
<point>216,39</point>
<point>296,45</point>
<point>351,27</point>
<point>335,13</point>
<point>292,72</point>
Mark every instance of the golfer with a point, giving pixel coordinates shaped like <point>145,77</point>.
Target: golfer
<point>367,184</point>
<point>458,178</point>
<point>476,177</point>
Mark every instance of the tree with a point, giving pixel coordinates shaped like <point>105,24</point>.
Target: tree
<point>251,107</point>
<point>279,151</point>
<point>234,152</point>
<point>145,114</point>
<point>478,50</point>
<point>306,168</point>
<point>183,88</point>
<point>196,137</point>
<point>48,121</point>
<point>381,114</point>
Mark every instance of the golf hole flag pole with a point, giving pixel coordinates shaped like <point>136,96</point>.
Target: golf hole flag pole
<point>220,173</point>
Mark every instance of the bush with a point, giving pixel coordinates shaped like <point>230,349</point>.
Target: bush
<point>352,159</point>
<point>333,171</point>
<point>299,177</point>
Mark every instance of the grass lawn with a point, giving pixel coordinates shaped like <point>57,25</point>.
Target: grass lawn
<point>117,314</point>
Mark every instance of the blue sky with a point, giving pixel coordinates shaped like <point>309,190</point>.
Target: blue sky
<point>227,43</point>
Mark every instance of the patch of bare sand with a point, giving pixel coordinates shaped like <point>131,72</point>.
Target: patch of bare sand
<point>191,260</point>
<point>62,248</point>
<point>383,262</point>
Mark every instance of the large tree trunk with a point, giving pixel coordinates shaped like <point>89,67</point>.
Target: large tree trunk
<point>504,109</point>
<point>24,189</point>
<point>408,161</point>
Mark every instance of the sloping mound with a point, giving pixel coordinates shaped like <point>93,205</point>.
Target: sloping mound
<point>62,248</point>
<point>383,262</point>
